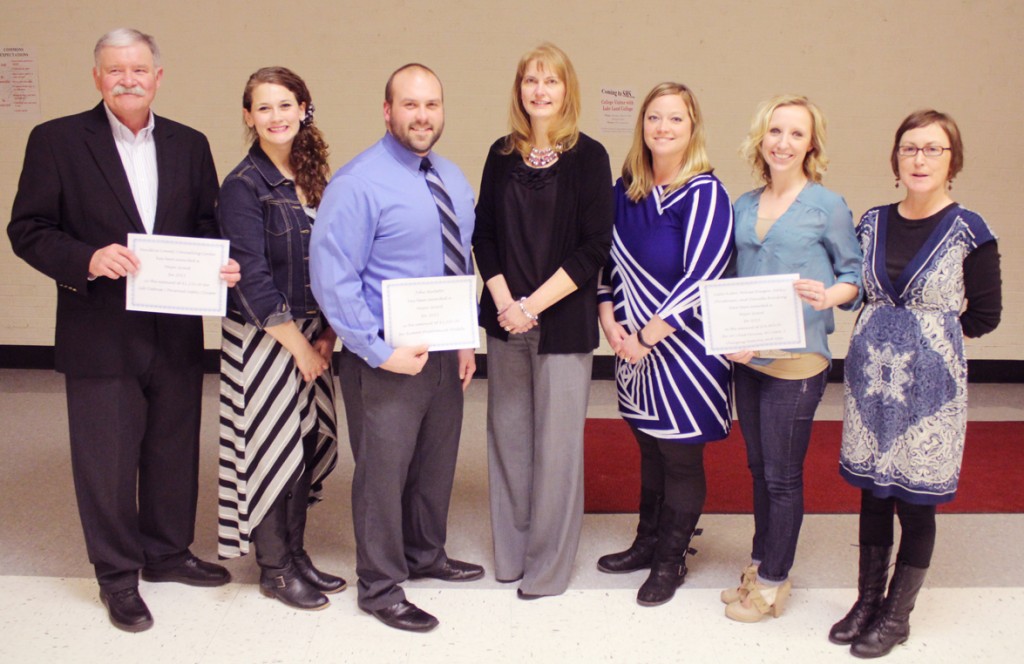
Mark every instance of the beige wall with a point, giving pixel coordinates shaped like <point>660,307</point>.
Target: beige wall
<point>866,63</point>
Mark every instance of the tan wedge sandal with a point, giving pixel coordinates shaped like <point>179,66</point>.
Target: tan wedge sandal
<point>759,602</point>
<point>747,577</point>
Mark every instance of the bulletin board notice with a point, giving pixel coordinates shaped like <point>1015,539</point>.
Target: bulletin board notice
<point>19,83</point>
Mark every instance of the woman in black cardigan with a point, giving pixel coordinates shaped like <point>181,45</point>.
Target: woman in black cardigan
<point>543,231</point>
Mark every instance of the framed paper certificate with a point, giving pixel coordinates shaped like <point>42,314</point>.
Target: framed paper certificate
<point>177,275</point>
<point>438,311</point>
<point>752,313</point>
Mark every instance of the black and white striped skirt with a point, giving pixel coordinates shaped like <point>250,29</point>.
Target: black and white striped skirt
<point>266,409</point>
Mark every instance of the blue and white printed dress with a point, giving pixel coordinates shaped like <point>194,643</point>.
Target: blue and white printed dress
<point>663,248</point>
<point>906,373</point>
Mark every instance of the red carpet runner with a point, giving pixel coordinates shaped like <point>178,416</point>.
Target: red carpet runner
<point>992,479</point>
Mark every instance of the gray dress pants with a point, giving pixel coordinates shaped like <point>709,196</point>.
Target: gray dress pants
<point>404,432</point>
<point>536,409</point>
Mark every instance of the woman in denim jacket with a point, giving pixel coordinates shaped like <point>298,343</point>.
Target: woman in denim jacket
<point>278,436</point>
<point>790,225</point>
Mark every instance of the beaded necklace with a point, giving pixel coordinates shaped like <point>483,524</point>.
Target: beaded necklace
<point>542,158</point>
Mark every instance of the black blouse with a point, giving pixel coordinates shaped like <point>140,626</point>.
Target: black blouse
<point>576,223</point>
<point>982,280</point>
<point>530,198</point>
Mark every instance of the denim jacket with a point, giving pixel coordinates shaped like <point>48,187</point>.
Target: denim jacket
<point>259,212</point>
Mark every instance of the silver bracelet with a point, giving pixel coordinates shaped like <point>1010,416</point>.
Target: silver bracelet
<point>643,342</point>
<point>522,307</point>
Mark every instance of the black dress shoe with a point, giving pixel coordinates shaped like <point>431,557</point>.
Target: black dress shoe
<point>126,609</point>
<point>405,615</point>
<point>453,570</point>
<point>322,581</point>
<point>192,572</point>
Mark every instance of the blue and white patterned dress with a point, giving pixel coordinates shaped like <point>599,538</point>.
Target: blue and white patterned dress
<point>906,373</point>
<point>662,250</point>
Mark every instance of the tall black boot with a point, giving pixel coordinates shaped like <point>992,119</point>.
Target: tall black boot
<point>298,505</point>
<point>892,627</point>
<point>279,577</point>
<point>668,569</point>
<point>640,554</point>
<point>874,572</point>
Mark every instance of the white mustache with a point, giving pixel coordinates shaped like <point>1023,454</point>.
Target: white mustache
<point>136,90</point>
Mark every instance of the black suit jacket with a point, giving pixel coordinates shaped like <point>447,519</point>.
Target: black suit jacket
<point>74,198</point>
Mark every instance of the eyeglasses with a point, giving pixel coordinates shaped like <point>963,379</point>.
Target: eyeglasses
<point>930,151</point>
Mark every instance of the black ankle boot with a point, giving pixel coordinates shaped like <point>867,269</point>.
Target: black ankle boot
<point>668,571</point>
<point>640,554</point>
<point>279,578</point>
<point>871,578</point>
<point>892,627</point>
<point>286,585</point>
<point>298,505</point>
<point>322,581</point>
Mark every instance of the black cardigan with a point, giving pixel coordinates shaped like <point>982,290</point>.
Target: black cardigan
<point>580,242</point>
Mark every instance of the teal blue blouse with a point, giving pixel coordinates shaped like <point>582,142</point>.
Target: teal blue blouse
<point>815,237</point>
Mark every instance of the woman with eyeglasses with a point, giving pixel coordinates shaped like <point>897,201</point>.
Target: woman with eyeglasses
<point>906,375</point>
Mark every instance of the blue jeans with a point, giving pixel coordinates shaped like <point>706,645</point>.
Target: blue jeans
<point>775,418</point>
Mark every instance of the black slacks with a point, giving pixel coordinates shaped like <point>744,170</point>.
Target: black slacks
<point>135,463</point>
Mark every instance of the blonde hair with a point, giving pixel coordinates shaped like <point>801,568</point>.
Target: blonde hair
<point>564,131</point>
<point>638,169</point>
<point>815,161</point>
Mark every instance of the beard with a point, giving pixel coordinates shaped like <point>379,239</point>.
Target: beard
<point>414,142</point>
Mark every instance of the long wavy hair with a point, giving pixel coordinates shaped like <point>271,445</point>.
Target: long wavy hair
<point>815,162</point>
<point>308,158</point>
<point>638,169</point>
<point>565,129</point>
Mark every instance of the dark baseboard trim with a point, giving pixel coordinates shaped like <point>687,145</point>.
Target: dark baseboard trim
<point>26,357</point>
<point>978,371</point>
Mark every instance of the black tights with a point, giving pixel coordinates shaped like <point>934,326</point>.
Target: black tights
<point>674,470</point>
<point>916,521</point>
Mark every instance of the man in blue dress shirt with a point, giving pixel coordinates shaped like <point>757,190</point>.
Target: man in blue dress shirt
<point>378,220</point>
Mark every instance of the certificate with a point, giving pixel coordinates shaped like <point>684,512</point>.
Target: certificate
<point>177,275</point>
<point>437,311</point>
<point>752,313</point>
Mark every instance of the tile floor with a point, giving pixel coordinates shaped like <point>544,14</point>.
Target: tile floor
<point>969,610</point>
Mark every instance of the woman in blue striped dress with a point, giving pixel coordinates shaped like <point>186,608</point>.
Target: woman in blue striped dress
<point>673,229</point>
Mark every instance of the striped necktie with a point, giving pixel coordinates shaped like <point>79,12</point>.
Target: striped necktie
<point>454,259</point>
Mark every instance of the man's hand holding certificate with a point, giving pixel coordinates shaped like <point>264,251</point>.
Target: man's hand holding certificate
<point>177,275</point>
<point>752,313</point>
<point>439,312</point>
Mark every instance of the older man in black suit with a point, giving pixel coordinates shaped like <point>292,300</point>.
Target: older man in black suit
<point>134,379</point>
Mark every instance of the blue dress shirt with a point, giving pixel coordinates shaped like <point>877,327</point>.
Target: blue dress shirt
<point>814,237</point>
<point>378,221</point>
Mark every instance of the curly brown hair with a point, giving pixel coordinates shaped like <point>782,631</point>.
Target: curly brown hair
<point>308,158</point>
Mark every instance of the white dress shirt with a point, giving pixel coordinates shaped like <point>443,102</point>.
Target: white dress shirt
<point>138,155</point>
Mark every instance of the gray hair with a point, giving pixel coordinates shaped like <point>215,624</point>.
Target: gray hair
<point>126,37</point>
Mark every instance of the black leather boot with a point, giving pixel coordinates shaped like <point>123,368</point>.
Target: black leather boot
<point>279,577</point>
<point>287,585</point>
<point>298,505</point>
<point>874,572</point>
<point>668,569</point>
<point>641,553</point>
<point>892,627</point>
